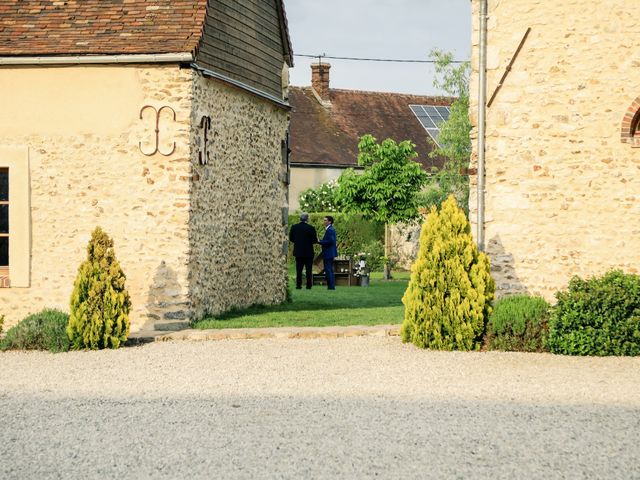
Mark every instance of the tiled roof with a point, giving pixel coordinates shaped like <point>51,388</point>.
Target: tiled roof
<point>100,27</point>
<point>329,136</point>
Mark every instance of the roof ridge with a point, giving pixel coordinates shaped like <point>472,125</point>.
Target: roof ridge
<point>375,92</point>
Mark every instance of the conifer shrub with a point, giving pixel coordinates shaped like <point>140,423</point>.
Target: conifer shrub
<point>598,316</point>
<point>100,302</point>
<point>45,330</point>
<point>519,323</point>
<point>449,296</point>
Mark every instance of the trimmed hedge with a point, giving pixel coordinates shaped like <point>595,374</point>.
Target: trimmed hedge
<point>354,232</point>
<point>519,323</point>
<point>45,330</point>
<point>598,316</point>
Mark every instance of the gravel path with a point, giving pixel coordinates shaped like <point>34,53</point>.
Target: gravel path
<point>348,408</point>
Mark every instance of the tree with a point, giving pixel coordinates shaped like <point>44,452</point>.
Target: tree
<point>448,299</point>
<point>454,142</point>
<point>387,189</point>
<point>100,302</point>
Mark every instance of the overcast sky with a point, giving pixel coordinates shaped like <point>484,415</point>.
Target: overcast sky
<point>398,29</point>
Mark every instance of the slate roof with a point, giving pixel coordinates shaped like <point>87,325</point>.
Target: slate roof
<point>321,136</point>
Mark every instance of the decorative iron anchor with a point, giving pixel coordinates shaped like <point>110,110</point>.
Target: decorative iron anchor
<point>205,124</point>
<point>157,148</point>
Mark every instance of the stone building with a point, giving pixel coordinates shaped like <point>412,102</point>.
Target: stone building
<point>165,123</point>
<point>562,167</point>
<point>327,123</point>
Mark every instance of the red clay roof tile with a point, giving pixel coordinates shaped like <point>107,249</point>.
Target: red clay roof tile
<point>100,27</point>
<point>329,136</point>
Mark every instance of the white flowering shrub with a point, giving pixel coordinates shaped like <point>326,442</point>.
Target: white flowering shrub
<point>320,199</point>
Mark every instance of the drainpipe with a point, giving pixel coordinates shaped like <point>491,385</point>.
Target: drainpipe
<point>482,107</point>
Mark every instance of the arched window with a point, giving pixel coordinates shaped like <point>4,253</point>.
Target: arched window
<point>630,130</point>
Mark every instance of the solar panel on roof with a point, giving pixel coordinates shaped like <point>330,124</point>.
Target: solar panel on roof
<point>430,117</point>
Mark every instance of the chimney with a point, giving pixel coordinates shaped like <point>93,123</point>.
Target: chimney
<point>320,79</point>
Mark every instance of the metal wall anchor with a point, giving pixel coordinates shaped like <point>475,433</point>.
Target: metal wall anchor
<point>157,148</point>
<point>205,124</point>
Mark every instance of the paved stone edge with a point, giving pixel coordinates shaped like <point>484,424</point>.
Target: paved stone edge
<point>276,332</point>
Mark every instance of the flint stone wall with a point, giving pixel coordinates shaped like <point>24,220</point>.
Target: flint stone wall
<point>562,190</point>
<point>237,229</point>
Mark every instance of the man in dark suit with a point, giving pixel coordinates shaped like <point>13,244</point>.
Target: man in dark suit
<point>329,251</point>
<point>303,237</point>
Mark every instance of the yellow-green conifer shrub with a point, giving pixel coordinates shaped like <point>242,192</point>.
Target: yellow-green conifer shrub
<point>448,300</point>
<point>100,303</point>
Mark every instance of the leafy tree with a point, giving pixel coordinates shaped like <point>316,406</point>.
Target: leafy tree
<point>454,141</point>
<point>387,189</point>
<point>100,302</point>
<point>448,299</point>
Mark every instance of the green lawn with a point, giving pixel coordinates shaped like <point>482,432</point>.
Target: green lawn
<point>380,303</point>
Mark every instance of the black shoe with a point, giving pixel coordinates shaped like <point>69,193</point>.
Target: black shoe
<point>308,288</point>
<point>329,288</point>
<point>298,288</point>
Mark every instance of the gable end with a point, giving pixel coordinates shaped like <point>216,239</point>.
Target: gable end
<point>246,41</point>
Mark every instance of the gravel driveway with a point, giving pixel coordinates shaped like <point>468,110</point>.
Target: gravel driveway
<point>348,408</point>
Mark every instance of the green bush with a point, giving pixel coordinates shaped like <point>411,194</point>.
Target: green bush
<point>320,199</point>
<point>100,302</point>
<point>449,296</point>
<point>374,255</point>
<point>353,232</point>
<point>519,323</point>
<point>1,323</point>
<point>598,316</point>
<point>45,330</point>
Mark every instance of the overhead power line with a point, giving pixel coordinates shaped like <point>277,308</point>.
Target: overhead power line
<point>362,59</point>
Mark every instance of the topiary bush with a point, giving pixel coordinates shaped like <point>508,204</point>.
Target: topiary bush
<point>100,302</point>
<point>519,323</point>
<point>598,316</point>
<point>449,296</point>
<point>45,330</point>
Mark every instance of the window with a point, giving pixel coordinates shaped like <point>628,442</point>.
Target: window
<point>15,217</point>
<point>4,227</point>
<point>630,129</point>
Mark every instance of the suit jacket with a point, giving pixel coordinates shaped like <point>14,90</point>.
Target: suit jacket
<point>328,242</point>
<point>303,237</point>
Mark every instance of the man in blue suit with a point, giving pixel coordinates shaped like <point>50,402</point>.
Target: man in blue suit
<point>329,250</point>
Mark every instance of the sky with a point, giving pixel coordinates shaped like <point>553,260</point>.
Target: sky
<point>397,29</point>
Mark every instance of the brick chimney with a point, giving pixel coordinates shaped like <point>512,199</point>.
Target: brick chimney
<point>320,79</point>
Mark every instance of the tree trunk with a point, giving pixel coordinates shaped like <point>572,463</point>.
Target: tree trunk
<point>387,265</point>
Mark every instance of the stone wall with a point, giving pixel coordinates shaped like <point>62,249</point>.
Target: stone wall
<point>237,231</point>
<point>405,243</point>
<point>82,129</point>
<point>562,190</point>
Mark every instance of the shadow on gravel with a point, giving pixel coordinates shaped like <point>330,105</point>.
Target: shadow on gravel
<point>298,437</point>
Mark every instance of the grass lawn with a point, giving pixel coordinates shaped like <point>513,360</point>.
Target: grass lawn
<point>380,303</point>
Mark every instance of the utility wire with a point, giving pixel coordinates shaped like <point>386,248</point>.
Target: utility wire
<point>361,59</point>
